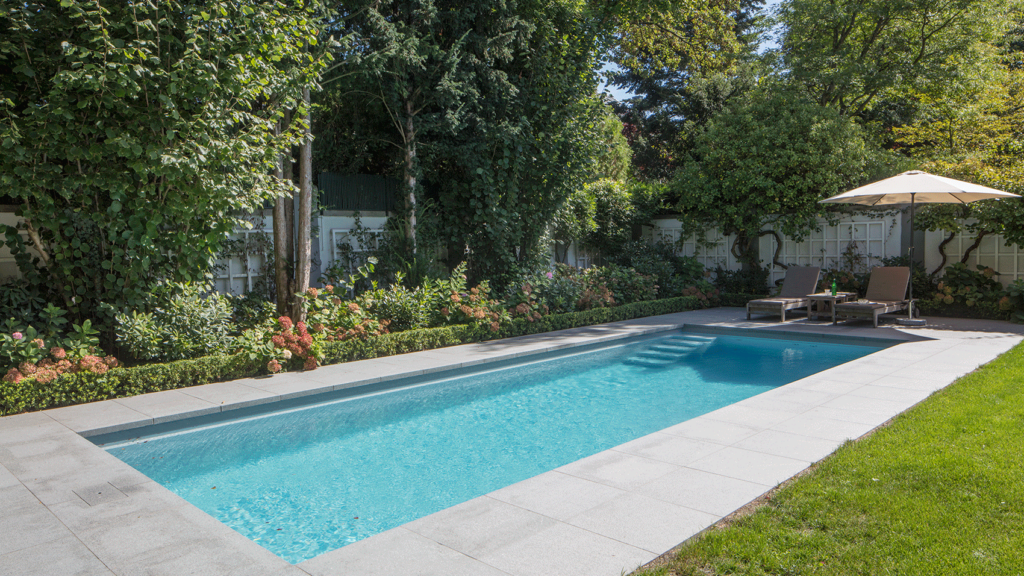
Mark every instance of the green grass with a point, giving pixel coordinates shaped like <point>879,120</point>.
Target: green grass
<point>938,492</point>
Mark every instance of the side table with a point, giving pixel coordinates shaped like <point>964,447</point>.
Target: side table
<point>825,303</point>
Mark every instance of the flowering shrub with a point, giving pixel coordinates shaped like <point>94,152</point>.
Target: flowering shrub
<point>49,368</point>
<point>298,343</point>
<point>625,284</point>
<point>525,304</point>
<point>329,314</point>
<point>961,285</point>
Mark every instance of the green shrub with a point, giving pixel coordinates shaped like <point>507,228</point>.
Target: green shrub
<point>753,280</point>
<point>625,284</point>
<point>179,322</point>
<point>68,389</point>
<point>251,310</point>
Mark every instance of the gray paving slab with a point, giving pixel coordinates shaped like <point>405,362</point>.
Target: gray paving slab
<point>66,556</point>
<point>480,526</point>
<point>168,405</point>
<point>703,428</point>
<point>669,448</point>
<point>397,551</point>
<point>231,394</point>
<point>890,393</point>
<point>556,495</point>
<point>751,466</point>
<point>618,469</point>
<point>703,491</point>
<point>567,551</point>
<point>7,480</point>
<point>815,425</point>
<point>25,522</point>
<point>288,385</point>
<point>796,446</point>
<point>99,416</point>
<point>644,522</point>
<point>752,417</point>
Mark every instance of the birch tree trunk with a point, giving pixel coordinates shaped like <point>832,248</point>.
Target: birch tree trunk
<point>302,263</point>
<point>282,235</point>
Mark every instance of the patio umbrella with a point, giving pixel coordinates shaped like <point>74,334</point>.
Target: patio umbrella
<point>917,187</point>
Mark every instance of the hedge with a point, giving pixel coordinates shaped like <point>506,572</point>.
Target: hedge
<point>80,388</point>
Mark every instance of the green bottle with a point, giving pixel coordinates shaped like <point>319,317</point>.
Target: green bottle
<point>833,286</point>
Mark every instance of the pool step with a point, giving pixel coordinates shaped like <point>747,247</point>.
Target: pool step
<point>669,351</point>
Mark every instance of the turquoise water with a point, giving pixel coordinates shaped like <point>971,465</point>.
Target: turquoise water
<point>310,479</point>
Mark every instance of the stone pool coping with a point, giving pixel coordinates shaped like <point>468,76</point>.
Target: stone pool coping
<point>68,507</point>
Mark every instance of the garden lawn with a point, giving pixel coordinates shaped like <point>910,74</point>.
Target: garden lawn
<point>938,492</point>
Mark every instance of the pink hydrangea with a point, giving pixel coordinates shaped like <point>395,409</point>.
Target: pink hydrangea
<point>58,353</point>
<point>18,335</point>
<point>45,376</point>
<point>27,368</point>
<point>13,375</point>
<point>273,366</point>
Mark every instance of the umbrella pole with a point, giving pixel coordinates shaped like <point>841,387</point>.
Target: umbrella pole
<point>910,307</point>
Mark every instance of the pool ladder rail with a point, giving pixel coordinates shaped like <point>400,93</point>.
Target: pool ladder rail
<point>670,351</point>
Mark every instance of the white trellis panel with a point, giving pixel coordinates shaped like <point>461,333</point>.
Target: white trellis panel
<point>856,245</point>
<point>993,252</point>
<point>716,254</point>
<point>236,275</point>
<point>344,236</point>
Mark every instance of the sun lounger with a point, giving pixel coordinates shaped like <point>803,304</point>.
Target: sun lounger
<point>887,292</point>
<point>799,283</point>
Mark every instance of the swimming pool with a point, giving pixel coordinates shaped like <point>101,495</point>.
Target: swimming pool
<point>315,475</point>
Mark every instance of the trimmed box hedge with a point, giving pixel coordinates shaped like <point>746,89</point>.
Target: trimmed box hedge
<point>80,388</point>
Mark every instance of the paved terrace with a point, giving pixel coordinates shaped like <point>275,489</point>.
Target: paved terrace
<point>68,507</point>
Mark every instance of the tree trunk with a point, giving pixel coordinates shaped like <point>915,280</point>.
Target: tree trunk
<point>282,236</point>
<point>289,202</point>
<point>302,263</point>
<point>410,175</point>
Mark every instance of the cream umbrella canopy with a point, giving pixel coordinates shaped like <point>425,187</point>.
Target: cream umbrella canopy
<point>917,187</point>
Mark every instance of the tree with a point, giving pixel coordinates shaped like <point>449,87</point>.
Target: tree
<point>851,53</point>
<point>133,134</point>
<point>767,160</point>
<point>975,135</point>
<point>675,96</point>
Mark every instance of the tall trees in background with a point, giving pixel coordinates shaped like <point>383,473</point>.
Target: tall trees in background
<point>133,134</point>
<point>485,109</point>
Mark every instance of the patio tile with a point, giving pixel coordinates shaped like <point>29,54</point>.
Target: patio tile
<point>168,405</point>
<point>641,521</point>
<point>99,417</point>
<point>394,552</point>
<point>826,385</point>
<point>99,493</point>
<point>750,466</point>
<point>891,393</point>
<point>566,551</point>
<point>818,426</point>
<point>230,395</point>
<point>64,557</point>
<point>794,446</point>
<point>25,522</point>
<point>556,495</point>
<point>704,491</point>
<point>61,468</point>
<point>288,385</point>
<point>861,417</point>
<point>669,448</point>
<point>705,429</point>
<point>133,537</point>
<point>618,469</point>
<point>480,526</point>
<point>921,382</point>
<point>750,417</point>
<point>856,402</point>
<point>7,480</point>
<point>21,428</point>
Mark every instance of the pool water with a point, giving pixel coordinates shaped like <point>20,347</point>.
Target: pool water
<point>313,478</point>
